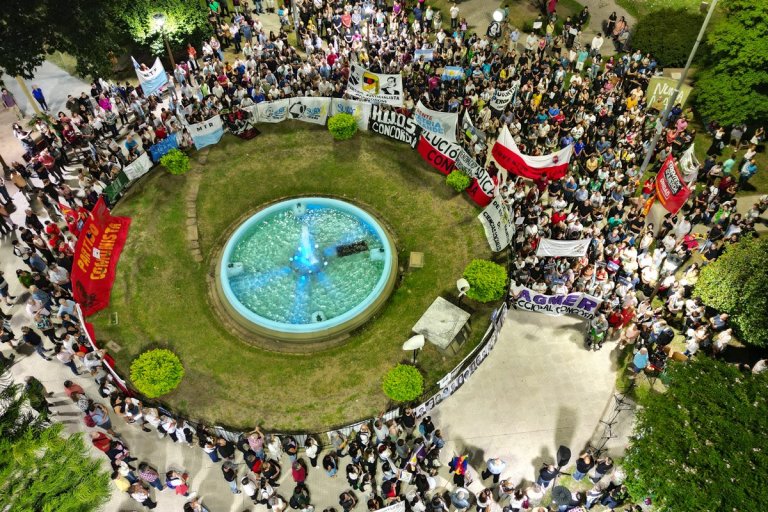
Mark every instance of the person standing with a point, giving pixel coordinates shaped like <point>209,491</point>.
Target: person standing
<point>141,496</point>
<point>546,475</point>
<point>37,93</point>
<point>10,102</point>
<point>229,470</point>
<point>454,17</point>
<point>495,466</point>
<point>150,476</point>
<point>34,340</point>
<point>583,465</point>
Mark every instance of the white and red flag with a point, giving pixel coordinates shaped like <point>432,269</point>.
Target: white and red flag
<point>506,153</point>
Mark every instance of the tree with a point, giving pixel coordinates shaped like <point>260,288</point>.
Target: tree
<point>733,88</point>
<point>34,28</point>
<point>737,283</point>
<point>701,444</point>
<point>184,21</point>
<point>40,469</point>
<point>668,34</point>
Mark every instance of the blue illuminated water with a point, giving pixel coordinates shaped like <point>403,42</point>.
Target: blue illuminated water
<point>283,267</point>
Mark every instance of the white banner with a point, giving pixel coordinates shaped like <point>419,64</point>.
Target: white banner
<point>396,507</point>
<point>151,79</point>
<point>501,99</point>
<point>441,123</point>
<point>497,223</point>
<point>689,165</point>
<point>273,111</point>
<point>359,109</point>
<point>309,110</point>
<point>138,167</point>
<point>549,247</point>
<point>375,87</point>
<point>207,133</point>
<point>576,303</point>
<point>469,165</point>
<point>394,125</point>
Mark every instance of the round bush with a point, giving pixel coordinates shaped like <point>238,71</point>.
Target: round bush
<point>487,280</point>
<point>403,383</point>
<point>668,34</point>
<point>176,162</point>
<point>342,126</point>
<point>458,181</point>
<point>156,372</point>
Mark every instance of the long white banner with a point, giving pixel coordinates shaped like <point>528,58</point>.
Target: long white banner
<point>549,247</point>
<point>433,121</point>
<point>309,109</point>
<point>207,133</point>
<point>497,223</point>
<point>576,303</point>
<point>375,87</point>
<point>360,110</point>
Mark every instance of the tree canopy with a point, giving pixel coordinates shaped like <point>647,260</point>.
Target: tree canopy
<point>733,87</point>
<point>701,445</point>
<point>737,283</point>
<point>40,469</point>
<point>668,34</point>
<point>34,28</point>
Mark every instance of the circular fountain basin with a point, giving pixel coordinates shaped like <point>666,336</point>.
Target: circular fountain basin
<point>305,270</point>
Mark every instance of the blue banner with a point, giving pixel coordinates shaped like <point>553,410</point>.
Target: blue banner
<point>206,133</point>
<point>158,150</point>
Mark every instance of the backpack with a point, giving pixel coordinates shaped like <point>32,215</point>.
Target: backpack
<point>88,419</point>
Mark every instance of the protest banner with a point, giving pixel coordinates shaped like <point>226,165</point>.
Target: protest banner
<point>497,223</point>
<point>441,123</point>
<point>360,110</point>
<point>482,189</point>
<point>309,110</point>
<point>159,149</point>
<point>207,133</point>
<point>501,99</point>
<point>469,129</point>
<point>241,121</point>
<point>116,187</point>
<point>508,156</point>
<point>138,167</point>
<point>427,55</point>
<point>438,152</point>
<point>660,90</point>
<point>151,79</point>
<point>393,125</point>
<point>556,248</point>
<point>375,88</point>
<point>576,303</point>
<point>670,186</point>
<point>273,111</point>
<point>96,255</point>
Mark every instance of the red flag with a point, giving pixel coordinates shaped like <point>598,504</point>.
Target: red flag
<point>506,153</point>
<point>440,153</point>
<point>96,254</point>
<point>670,187</point>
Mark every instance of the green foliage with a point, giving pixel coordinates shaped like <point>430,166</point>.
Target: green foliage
<point>403,383</point>
<point>669,34</point>
<point>457,180</point>
<point>156,372</point>
<point>701,444</point>
<point>737,283</point>
<point>44,471</point>
<point>487,280</point>
<point>85,29</point>
<point>342,126</point>
<point>176,161</point>
<point>734,86</point>
<point>185,21</point>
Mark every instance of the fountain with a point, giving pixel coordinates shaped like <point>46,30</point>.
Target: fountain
<point>306,270</point>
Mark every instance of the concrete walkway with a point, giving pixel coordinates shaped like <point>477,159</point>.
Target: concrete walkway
<point>55,83</point>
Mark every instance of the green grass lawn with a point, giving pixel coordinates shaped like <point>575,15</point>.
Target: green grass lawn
<point>160,295</point>
<point>639,8</point>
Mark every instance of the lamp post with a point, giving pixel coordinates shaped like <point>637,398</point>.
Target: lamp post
<point>159,21</point>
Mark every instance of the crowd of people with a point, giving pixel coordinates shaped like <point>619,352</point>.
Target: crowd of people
<point>568,94</point>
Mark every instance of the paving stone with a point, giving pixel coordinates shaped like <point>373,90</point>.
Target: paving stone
<point>192,232</point>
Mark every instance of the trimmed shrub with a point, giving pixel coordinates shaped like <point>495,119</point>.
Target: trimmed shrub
<point>403,383</point>
<point>668,34</point>
<point>156,372</point>
<point>342,126</point>
<point>176,162</point>
<point>458,181</point>
<point>487,280</point>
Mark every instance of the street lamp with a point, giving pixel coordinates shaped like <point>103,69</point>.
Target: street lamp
<point>414,343</point>
<point>159,21</point>
<point>498,15</point>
